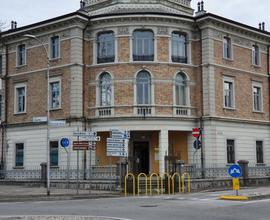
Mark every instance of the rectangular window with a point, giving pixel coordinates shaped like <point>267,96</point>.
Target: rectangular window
<point>230,151</point>
<point>20,99</point>
<point>55,47</point>
<point>21,55</point>
<point>179,47</point>
<point>255,55</point>
<point>259,151</point>
<point>1,105</point>
<point>143,45</point>
<point>1,64</point>
<point>228,93</point>
<point>257,98</point>
<point>55,96</point>
<point>19,154</point>
<point>227,52</point>
<point>106,47</point>
<point>54,153</point>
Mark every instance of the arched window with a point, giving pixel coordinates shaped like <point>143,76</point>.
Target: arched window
<point>105,86</point>
<point>143,45</point>
<point>143,83</point>
<point>105,47</point>
<point>179,47</point>
<point>181,89</point>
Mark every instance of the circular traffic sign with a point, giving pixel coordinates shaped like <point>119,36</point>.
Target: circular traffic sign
<point>196,132</point>
<point>64,142</point>
<point>197,144</point>
<point>235,171</point>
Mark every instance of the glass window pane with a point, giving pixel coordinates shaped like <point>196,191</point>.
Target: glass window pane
<point>55,95</point>
<point>105,89</point>
<point>54,153</point>
<point>106,47</point>
<point>143,88</point>
<point>19,154</point>
<point>143,45</point>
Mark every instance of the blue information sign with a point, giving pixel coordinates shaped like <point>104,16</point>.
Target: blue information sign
<point>64,142</point>
<point>197,144</point>
<point>235,171</point>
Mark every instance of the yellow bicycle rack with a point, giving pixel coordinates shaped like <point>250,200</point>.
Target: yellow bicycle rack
<point>151,178</point>
<point>183,182</point>
<point>139,176</point>
<point>173,182</point>
<point>169,182</point>
<point>133,183</point>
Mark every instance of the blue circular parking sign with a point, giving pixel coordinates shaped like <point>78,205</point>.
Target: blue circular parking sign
<point>64,142</point>
<point>235,171</point>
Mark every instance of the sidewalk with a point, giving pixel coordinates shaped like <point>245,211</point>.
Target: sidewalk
<point>13,193</point>
<point>22,193</point>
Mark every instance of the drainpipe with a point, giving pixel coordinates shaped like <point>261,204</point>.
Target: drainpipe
<point>83,98</point>
<point>268,73</point>
<point>202,111</point>
<point>4,122</point>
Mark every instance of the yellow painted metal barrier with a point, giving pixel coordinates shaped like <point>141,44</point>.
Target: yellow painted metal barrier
<point>133,183</point>
<point>173,182</point>
<point>169,182</point>
<point>150,183</point>
<point>183,182</point>
<point>139,176</point>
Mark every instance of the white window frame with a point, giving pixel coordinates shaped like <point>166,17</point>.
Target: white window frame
<point>19,142</point>
<point>254,54</point>
<point>257,85</point>
<point>230,48</point>
<point>230,80</point>
<point>17,86</point>
<point>187,91</point>
<point>54,80</point>
<point>18,54</point>
<point>51,48</point>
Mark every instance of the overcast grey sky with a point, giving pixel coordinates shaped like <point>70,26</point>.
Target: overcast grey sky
<point>30,11</point>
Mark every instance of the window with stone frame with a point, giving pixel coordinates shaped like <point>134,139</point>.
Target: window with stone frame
<point>55,47</point>
<point>255,55</point>
<point>143,45</point>
<point>19,155</point>
<point>230,151</point>
<point>54,154</point>
<point>227,48</point>
<point>105,47</point>
<point>143,87</point>
<point>21,55</point>
<point>228,93</point>
<point>55,94</point>
<point>179,47</point>
<point>105,88</point>
<point>259,152</point>
<point>1,64</point>
<point>20,98</point>
<point>257,97</point>
<point>181,93</point>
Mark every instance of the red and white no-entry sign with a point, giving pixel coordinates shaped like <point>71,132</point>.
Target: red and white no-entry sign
<point>196,132</point>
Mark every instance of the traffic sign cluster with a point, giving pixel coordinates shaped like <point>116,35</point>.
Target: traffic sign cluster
<point>117,144</point>
<point>197,132</point>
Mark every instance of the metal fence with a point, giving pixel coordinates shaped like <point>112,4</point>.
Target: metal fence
<point>96,172</point>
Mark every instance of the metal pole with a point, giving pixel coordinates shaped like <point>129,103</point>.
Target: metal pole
<point>90,166</point>
<point>48,124</point>
<point>202,149</point>
<point>120,174</point>
<point>68,165</point>
<point>48,108</point>
<point>77,165</point>
<point>111,173</point>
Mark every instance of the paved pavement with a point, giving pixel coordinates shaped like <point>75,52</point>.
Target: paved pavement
<point>21,193</point>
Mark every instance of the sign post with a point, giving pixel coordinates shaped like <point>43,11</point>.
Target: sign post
<point>117,146</point>
<point>235,172</point>
<point>65,143</point>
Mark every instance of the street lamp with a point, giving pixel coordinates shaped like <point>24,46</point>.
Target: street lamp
<point>48,107</point>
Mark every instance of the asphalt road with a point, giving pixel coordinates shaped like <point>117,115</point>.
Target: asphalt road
<point>198,206</point>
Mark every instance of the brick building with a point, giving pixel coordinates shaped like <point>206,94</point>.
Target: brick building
<point>154,69</point>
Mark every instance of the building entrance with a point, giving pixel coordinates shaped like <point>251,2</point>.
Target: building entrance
<point>141,157</point>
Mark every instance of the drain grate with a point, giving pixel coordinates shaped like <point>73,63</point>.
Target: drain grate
<point>149,206</point>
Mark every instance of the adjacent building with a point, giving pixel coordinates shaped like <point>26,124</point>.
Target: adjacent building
<point>150,67</point>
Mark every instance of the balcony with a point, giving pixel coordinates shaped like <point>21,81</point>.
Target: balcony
<point>182,111</point>
<point>104,111</point>
<point>144,110</point>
